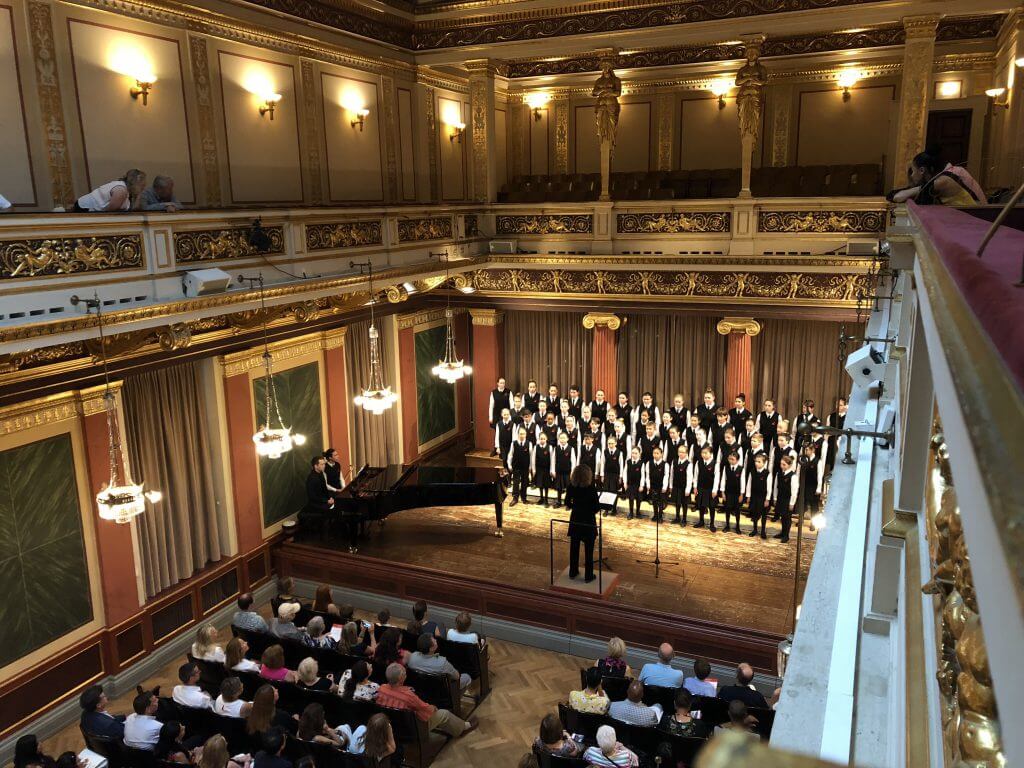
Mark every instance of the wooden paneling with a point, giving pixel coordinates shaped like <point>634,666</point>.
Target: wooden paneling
<point>451,154</point>
<point>68,673</point>
<point>130,643</point>
<point>219,590</point>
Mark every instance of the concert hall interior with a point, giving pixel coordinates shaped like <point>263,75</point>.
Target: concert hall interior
<point>524,383</point>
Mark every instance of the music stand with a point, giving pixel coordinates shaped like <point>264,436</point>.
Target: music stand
<point>657,561</point>
<point>606,501</point>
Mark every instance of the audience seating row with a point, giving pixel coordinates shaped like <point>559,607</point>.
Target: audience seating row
<point>769,181</point>
<point>644,741</point>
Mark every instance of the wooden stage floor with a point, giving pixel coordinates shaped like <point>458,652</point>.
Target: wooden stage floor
<point>721,577</point>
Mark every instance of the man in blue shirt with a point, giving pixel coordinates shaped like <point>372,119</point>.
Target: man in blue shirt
<point>661,672</point>
<point>698,684</point>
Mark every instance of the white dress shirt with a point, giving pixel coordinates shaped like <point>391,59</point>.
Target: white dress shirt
<point>141,731</point>
<point>228,708</point>
<point>192,696</point>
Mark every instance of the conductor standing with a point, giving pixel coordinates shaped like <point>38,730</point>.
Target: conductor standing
<point>582,502</point>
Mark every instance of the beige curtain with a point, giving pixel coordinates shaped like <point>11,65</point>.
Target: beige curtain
<point>797,360</point>
<point>668,354</point>
<point>374,438</point>
<point>550,347</point>
<point>164,413</point>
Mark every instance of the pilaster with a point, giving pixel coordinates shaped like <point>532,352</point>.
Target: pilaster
<point>560,107</point>
<point>739,332</point>
<point>666,113</point>
<point>484,177</point>
<point>605,367</point>
<point>915,90</point>
<point>488,365</point>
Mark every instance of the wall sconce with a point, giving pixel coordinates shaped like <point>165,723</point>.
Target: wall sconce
<point>720,88</point>
<point>536,101</point>
<point>360,118</point>
<point>457,130</point>
<point>141,88</point>
<point>270,101</point>
<point>847,79</point>
<point>1020,62</point>
<point>949,89</point>
<point>995,94</point>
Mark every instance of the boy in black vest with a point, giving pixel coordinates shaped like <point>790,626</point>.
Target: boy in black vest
<point>503,431</point>
<point>499,400</point>
<point>553,398</point>
<point>519,465</point>
<point>611,469</point>
<point>706,410</point>
<point>635,480</point>
<point>542,467</point>
<point>599,406</point>
<point>681,482</point>
<point>768,422</point>
<point>785,489</point>
<point>565,463</point>
<point>625,410</point>
<point>739,414</point>
<point>658,479</point>
<point>759,482</point>
<point>706,479</point>
<point>531,399</point>
<point>679,412</point>
<point>731,489</point>
<point>588,453</point>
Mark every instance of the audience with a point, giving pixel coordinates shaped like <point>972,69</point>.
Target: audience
<point>95,718</point>
<point>141,728</point>
<point>189,694</point>
<point>215,755</point>
<point>461,634</point>
<point>555,740</point>
<point>662,672</point>
<point>124,194</point>
<point>609,753</point>
<point>680,722</point>
<point>379,747</point>
<point>773,702</point>
<point>169,747</point>
<point>427,659</point>
<point>592,698</point>
<point>160,197</point>
<point>397,695</point>
<point>308,677</point>
<point>229,703</point>
<point>389,649</point>
<point>614,664</point>
<point>314,635</point>
<point>69,760</point>
<point>27,753</point>
<point>313,727</point>
<point>272,665</point>
<point>270,756</point>
<point>234,657</point>
<point>383,620</point>
<point>205,647</point>
<point>356,640</point>
<point>739,720</point>
<point>632,709</point>
<point>246,618</point>
<point>285,587</point>
<point>264,714</point>
<point>698,685</point>
<point>743,690</point>
<point>284,625</point>
<point>419,613</point>
<point>356,684</point>
<point>323,600</point>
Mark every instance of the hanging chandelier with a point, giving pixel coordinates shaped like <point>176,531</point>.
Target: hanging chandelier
<point>451,369</point>
<point>271,441</point>
<point>117,501</point>
<point>375,398</point>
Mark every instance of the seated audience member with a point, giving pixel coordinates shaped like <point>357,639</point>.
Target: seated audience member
<point>315,637</point>
<point>937,183</point>
<point>246,618</point>
<point>397,695</point>
<point>69,760</point>
<point>169,747</point>
<point>346,613</point>
<point>661,672</point>
<point>419,613</point>
<point>285,587</point>
<point>356,684</point>
<point>739,720</point>
<point>141,728</point>
<point>95,718</point>
<point>614,664</point>
<point>356,640</point>
<point>414,628</point>
<point>743,690</point>
<point>264,714</point>
<point>215,755</point>
<point>234,657</point>
<point>229,703</point>
<point>460,632</point>
<point>26,753</point>
<point>380,750</point>
<point>427,659</point>
<point>591,699</point>
<point>609,753</point>
<point>308,675</point>
<point>124,194</point>
<point>383,622</point>
<point>632,709</point>
<point>698,685</point>
<point>189,694</point>
<point>680,722</point>
<point>284,624</point>
<point>272,754</point>
<point>555,740</point>
<point>389,649</point>
<point>205,647</point>
<point>272,665</point>
<point>160,196</point>
<point>313,727</point>
<point>323,599</point>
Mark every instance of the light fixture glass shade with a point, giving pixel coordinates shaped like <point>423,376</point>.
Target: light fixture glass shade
<point>121,503</point>
<point>272,441</point>
<point>376,398</point>
<point>451,369</point>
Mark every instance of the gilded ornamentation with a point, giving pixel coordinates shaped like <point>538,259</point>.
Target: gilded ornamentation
<point>344,234</point>
<point>673,223</point>
<point>426,316</point>
<point>470,225</point>
<point>747,325</point>
<point>396,294</point>
<point>310,124</point>
<point>486,317</point>
<point>820,222</point>
<point>302,312</point>
<point>431,228</point>
<point>221,244</point>
<point>592,320</point>
<point>481,90</point>
<point>518,130</point>
<point>561,107</point>
<point>50,105</point>
<point>431,120</point>
<point>45,356</point>
<point>169,338</point>
<point>385,27</point>
<point>66,256</point>
<point>576,224</point>
<point>390,136</point>
<point>915,90</point>
<point>782,110</point>
<point>666,111</point>
<point>607,91</point>
<point>206,120</point>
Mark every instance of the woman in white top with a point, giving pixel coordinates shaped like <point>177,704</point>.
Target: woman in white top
<point>356,684</point>
<point>460,632</point>
<point>228,703</point>
<point>124,194</point>
<point>234,657</point>
<point>205,647</point>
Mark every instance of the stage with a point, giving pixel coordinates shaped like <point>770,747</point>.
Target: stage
<point>722,578</point>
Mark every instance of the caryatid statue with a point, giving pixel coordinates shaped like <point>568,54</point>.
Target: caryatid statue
<point>750,82</point>
<point>607,90</point>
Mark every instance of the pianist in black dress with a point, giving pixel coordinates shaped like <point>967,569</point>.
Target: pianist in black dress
<point>582,502</point>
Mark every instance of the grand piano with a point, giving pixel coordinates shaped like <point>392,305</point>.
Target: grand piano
<point>376,492</point>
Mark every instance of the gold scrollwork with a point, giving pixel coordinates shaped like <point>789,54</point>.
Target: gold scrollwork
<point>65,255</point>
<point>747,325</point>
<point>574,224</point>
<point>220,244</point>
<point>344,234</point>
<point>673,223</point>
<point>592,320</point>
<point>430,228</point>
<point>470,225</point>
<point>819,222</point>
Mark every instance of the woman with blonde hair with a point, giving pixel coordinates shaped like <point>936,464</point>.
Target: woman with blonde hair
<point>205,647</point>
<point>614,663</point>
<point>124,194</point>
<point>215,755</point>
<point>309,678</point>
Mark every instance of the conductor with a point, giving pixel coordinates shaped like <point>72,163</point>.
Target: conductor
<point>582,502</point>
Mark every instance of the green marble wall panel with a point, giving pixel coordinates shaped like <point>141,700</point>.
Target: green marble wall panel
<point>435,399</point>
<point>283,480</point>
<point>43,570</point>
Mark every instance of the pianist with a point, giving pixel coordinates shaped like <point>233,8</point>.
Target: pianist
<point>320,496</point>
<point>332,471</point>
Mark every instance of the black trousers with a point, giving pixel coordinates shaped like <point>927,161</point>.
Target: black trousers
<point>787,520</point>
<point>682,502</point>
<point>658,504</point>
<point>520,479</point>
<point>574,555</point>
<point>542,480</point>
<point>732,508</point>
<point>758,512</point>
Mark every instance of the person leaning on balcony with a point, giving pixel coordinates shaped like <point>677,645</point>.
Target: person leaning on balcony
<point>160,196</point>
<point>124,194</point>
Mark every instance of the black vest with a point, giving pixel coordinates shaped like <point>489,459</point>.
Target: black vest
<point>588,457</point>
<point>504,437</point>
<point>705,476</point>
<point>542,460</point>
<point>648,409</point>
<point>758,488</point>
<point>600,410</point>
<point>520,456</point>
<point>680,418</point>
<point>656,475</point>
<point>706,414</point>
<point>563,459</point>
<point>552,403</point>
<point>768,426</point>
<point>777,459</point>
<point>530,401</point>
<point>502,400</point>
<point>634,471</point>
<point>647,447</point>
<point>679,471</point>
<point>739,420</point>
<point>733,476</point>
<point>551,430</point>
<point>612,462</point>
<point>784,493</point>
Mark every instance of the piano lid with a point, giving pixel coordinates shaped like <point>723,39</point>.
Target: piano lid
<point>430,475</point>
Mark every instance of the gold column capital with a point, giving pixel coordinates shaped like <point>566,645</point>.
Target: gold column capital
<point>482,67</point>
<point>592,320</point>
<point>489,317</point>
<point>921,26</point>
<point>747,325</point>
<point>335,337</point>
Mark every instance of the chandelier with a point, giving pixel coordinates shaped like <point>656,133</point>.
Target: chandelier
<point>117,501</point>
<point>451,369</point>
<point>375,398</point>
<point>271,441</point>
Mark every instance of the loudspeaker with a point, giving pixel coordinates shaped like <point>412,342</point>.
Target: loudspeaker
<point>503,246</point>
<point>865,366</point>
<point>886,421</point>
<point>203,282</point>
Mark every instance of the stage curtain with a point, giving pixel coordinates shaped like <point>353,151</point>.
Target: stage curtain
<point>668,354</point>
<point>796,360</point>
<point>551,347</point>
<point>374,438</point>
<point>164,414</point>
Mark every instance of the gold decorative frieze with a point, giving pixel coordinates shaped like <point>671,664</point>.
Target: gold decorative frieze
<point>67,255</point>
<point>487,317</point>
<point>747,325</point>
<point>48,91</point>
<point>673,223</point>
<point>572,224</point>
<point>252,359</point>
<point>39,413</point>
<point>344,234</point>
<point>426,316</point>
<point>821,222</point>
<point>430,228</point>
<point>223,244</point>
<point>470,225</point>
<point>44,356</point>
<point>593,320</point>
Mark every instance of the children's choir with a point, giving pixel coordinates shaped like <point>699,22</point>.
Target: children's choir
<point>710,459</point>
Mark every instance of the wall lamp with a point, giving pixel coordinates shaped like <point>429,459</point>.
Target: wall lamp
<point>457,130</point>
<point>847,79</point>
<point>360,118</point>
<point>536,101</point>
<point>270,101</point>
<point>142,88</point>
<point>720,88</point>
<point>997,94</point>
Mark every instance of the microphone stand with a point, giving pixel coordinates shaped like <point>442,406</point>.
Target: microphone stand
<point>657,561</point>
<point>889,436</point>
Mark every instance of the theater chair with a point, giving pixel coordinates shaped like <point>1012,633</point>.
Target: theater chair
<point>138,758</point>
<point>211,674</point>
<point>437,689</point>
<point>546,760</point>
<point>614,687</point>
<point>471,659</point>
<point>659,694</point>
<point>408,729</point>
<point>110,748</point>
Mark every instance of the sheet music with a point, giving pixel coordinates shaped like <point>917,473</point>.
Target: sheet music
<point>607,497</point>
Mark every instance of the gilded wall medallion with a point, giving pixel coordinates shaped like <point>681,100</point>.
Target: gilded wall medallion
<point>573,224</point>
<point>344,234</point>
<point>673,223</point>
<point>69,255</point>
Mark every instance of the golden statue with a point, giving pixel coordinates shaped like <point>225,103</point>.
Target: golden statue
<point>607,90</point>
<point>751,79</point>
